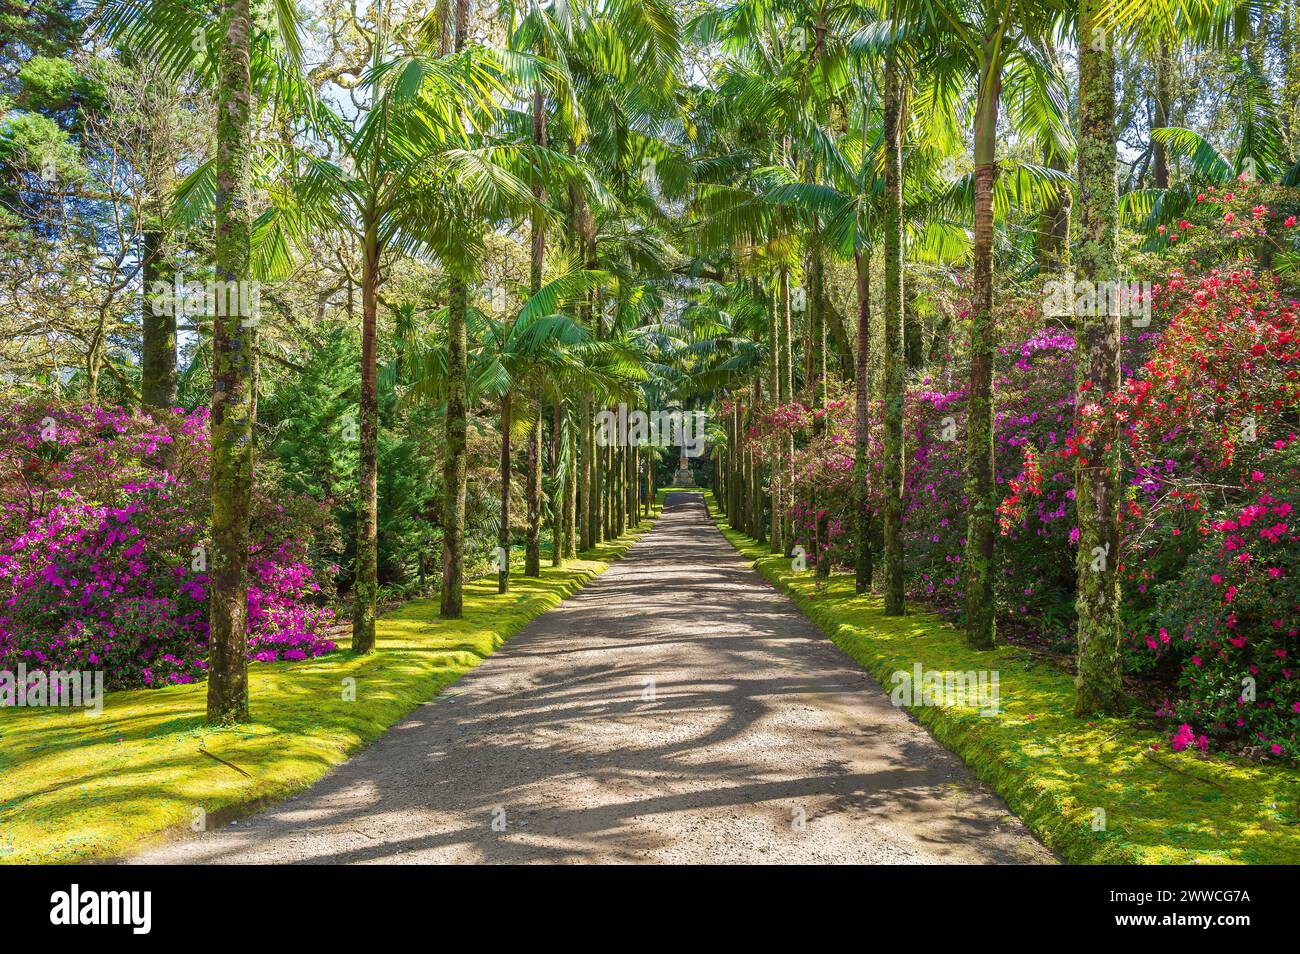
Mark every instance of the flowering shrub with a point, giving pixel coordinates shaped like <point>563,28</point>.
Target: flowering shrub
<point>1233,620</point>
<point>103,549</point>
<point>1209,408</point>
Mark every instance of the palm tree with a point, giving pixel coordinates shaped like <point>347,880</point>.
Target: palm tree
<point>992,45</point>
<point>524,361</point>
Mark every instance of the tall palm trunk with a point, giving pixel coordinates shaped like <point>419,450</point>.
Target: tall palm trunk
<point>620,490</point>
<point>862,427</point>
<point>559,486</point>
<point>584,474</point>
<point>785,345</point>
<point>571,506</point>
<point>894,363</point>
<point>608,488</point>
<point>533,547</point>
<point>775,544</point>
<point>456,466</point>
<point>634,485</point>
<point>649,483</point>
<point>234,378</point>
<point>817,347</point>
<point>1097,475</point>
<point>365,587</point>
<point>503,533</point>
<point>980,501</point>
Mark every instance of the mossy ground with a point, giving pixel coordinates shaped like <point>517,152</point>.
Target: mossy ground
<point>75,788</point>
<point>1053,769</point>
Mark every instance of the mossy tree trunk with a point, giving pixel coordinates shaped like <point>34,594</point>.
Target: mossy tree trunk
<point>785,343</point>
<point>1052,241</point>
<point>234,378</point>
<point>537,263</point>
<point>456,465</point>
<point>158,325</point>
<point>817,380</point>
<point>571,506</point>
<point>559,486</point>
<point>758,525</point>
<point>981,503</point>
<point>503,531</point>
<point>894,364</point>
<point>862,426</point>
<point>584,481</point>
<point>1097,476</point>
<point>365,587</point>
<point>774,391</point>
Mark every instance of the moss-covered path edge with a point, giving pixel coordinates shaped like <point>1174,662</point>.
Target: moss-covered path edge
<point>1095,792</point>
<point>75,788</point>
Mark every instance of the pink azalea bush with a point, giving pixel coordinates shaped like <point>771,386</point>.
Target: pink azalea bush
<point>104,549</point>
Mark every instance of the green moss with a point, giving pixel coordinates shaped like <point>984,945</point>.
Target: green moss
<point>75,788</point>
<point>1052,768</point>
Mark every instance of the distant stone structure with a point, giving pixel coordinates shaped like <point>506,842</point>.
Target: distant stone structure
<point>683,477</point>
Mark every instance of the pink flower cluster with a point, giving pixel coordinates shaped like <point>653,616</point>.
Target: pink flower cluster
<point>104,550</point>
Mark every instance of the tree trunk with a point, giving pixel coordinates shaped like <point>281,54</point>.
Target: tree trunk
<point>533,488</point>
<point>1164,68</point>
<point>894,359</point>
<point>862,428</point>
<point>571,507</point>
<point>585,478</point>
<point>234,379</point>
<point>365,587</point>
<point>610,477</point>
<point>774,389</point>
<point>455,466</point>
<point>158,343</point>
<point>1052,242</point>
<point>1097,476</point>
<point>817,370</point>
<point>503,533</point>
<point>786,344</point>
<point>559,487</point>
<point>980,490</point>
<point>533,547</point>
<point>1290,98</point>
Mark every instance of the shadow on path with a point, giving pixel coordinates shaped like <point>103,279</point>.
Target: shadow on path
<point>677,709</point>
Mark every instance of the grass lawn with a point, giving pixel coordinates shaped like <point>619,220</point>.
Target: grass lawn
<point>1053,769</point>
<point>78,788</point>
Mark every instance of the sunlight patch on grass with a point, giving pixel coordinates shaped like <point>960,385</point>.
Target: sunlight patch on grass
<point>1053,769</point>
<point>76,788</point>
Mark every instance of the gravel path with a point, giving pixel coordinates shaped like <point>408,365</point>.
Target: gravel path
<point>678,709</point>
